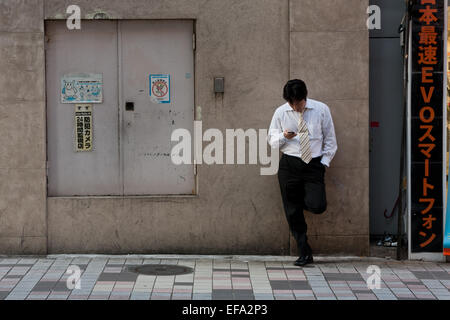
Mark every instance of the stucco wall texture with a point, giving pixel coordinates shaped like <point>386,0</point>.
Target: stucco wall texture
<point>257,45</point>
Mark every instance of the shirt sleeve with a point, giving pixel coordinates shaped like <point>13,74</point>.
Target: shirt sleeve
<point>276,138</point>
<point>329,138</point>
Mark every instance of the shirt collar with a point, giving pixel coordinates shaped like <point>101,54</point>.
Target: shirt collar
<point>309,105</point>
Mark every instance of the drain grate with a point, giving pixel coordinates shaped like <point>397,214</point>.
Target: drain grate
<point>161,270</point>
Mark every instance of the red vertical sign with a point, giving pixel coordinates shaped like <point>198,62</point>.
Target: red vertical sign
<point>427,205</point>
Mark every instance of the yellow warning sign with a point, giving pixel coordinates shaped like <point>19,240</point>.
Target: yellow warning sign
<point>83,127</point>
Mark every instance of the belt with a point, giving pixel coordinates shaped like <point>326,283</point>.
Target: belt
<point>317,159</point>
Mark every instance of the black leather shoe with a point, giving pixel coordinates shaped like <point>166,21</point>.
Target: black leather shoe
<point>303,261</point>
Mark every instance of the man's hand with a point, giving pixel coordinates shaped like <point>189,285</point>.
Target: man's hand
<point>288,135</point>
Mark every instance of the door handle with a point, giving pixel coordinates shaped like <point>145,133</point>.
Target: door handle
<point>129,106</point>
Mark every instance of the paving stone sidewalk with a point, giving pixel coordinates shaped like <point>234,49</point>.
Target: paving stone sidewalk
<point>221,278</point>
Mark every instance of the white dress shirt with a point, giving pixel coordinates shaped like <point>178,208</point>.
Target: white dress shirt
<point>320,126</point>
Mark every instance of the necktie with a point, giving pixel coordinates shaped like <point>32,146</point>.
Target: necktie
<point>305,145</point>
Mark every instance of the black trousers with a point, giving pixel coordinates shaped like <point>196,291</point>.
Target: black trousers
<point>302,188</point>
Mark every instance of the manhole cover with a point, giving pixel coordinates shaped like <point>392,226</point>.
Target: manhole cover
<point>161,270</point>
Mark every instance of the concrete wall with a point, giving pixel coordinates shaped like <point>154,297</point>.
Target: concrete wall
<point>22,128</point>
<point>257,45</point>
<point>330,51</point>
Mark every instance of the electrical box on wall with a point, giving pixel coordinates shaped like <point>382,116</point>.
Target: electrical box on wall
<point>219,85</point>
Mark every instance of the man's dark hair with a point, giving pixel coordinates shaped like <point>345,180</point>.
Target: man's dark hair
<point>295,90</point>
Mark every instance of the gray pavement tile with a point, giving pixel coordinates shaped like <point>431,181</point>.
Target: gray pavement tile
<point>85,297</point>
<point>433,284</point>
<point>239,270</point>
<point>423,275</point>
<point>183,283</point>
<point>116,262</point>
<point>222,297</point>
<point>3,294</point>
<point>343,277</point>
<point>9,261</point>
<point>12,277</point>
<point>441,275</point>
<point>241,298</point>
<point>362,291</point>
<point>322,290</point>
<point>201,297</point>
<point>280,285</point>
<point>264,296</point>
<point>124,276</point>
<point>226,295</point>
<point>411,281</point>
<point>386,297</point>
<point>16,297</point>
<point>44,286</point>
<point>318,283</point>
<point>61,286</point>
<point>299,285</point>
<point>326,298</point>
<point>222,291</point>
<point>242,292</point>
<point>140,296</point>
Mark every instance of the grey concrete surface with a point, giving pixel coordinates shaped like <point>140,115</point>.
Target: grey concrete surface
<point>257,46</point>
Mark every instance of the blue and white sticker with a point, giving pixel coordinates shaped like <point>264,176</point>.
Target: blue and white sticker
<point>160,88</point>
